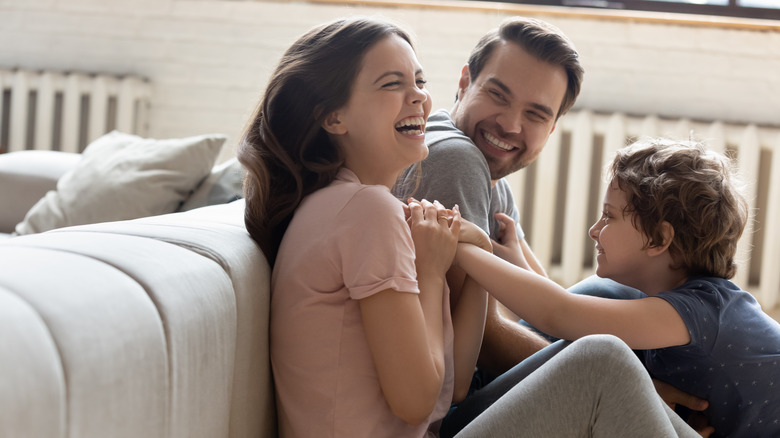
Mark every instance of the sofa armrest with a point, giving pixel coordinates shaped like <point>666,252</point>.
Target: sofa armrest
<point>25,176</point>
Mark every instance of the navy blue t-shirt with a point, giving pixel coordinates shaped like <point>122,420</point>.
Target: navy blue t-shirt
<point>733,359</point>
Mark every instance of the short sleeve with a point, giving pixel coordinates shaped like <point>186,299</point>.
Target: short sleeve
<point>504,202</point>
<point>455,172</point>
<point>375,244</point>
<point>698,309</point>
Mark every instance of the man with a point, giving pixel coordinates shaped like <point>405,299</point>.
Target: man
<point>519,80</point>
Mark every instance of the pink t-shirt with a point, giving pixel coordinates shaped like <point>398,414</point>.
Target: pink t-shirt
<point>346,241</point>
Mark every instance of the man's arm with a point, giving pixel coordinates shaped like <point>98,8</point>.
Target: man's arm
<point>531,259</point>
<point>505,342</point>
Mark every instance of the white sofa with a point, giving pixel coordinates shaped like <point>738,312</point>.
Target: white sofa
<point>152,327</point>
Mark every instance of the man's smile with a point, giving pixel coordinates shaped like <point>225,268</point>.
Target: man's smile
<point>497,142</point>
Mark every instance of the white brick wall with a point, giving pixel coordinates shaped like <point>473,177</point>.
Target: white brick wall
<point>208,60</point>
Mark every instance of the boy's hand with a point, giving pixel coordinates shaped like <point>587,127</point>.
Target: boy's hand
<point>470,233</point>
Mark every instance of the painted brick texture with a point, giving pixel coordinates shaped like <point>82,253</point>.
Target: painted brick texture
<point>208,60</point>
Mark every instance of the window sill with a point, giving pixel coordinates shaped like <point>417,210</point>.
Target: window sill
<point>561,11</point>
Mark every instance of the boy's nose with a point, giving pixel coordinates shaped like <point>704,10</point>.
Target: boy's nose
<point>594,230</point>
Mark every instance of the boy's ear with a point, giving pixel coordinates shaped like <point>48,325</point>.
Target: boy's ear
<point>667,230</point>
<point>333,124</point>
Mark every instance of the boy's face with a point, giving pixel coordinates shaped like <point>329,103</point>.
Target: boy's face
<point>621,247</point>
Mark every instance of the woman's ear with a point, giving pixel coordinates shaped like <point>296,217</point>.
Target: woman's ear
<point>333,125</point>
<point>667,230</point>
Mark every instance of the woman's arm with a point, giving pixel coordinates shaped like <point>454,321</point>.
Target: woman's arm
<point>468,322</point>
<point>643,323</point>
<point>405,332</point>
<point>469,302</point>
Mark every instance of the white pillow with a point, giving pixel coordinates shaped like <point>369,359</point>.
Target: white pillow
<point>223,185</point>
<point>122,176</point>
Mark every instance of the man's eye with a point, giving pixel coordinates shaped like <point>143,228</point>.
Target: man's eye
<point>496,94</point>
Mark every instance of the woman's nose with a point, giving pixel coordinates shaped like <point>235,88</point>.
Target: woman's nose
<point>418,95</point>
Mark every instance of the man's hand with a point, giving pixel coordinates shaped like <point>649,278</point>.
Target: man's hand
<point>673,397</point>
<point>508,245</point>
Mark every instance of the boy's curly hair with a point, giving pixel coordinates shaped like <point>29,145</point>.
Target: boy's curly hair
<point>696,190</point>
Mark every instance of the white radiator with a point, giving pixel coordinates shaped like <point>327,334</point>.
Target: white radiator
<point>65,111</point>
<point>560,195</point>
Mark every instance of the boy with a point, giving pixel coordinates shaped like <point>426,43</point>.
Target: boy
<point>672,217</point>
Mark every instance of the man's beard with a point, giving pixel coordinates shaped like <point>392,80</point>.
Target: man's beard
<point>498,173</point>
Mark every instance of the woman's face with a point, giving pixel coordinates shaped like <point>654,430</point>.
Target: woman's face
<point>382,127</point>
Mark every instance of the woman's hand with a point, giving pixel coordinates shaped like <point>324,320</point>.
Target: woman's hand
<point>435,233</point>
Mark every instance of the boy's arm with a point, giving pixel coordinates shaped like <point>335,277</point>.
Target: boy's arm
<point>643,323</point>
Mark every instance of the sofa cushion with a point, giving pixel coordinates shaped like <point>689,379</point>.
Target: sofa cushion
<point>25,176</point>
<point>223,185</point>
<point>122,176</point>
<point>154,327</point>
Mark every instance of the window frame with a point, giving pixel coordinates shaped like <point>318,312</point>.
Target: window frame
<point>731,10</point>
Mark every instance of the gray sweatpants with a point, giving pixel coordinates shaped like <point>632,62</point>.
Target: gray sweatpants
<point>595,387</point>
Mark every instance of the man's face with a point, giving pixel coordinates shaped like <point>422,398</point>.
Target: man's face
<point>510,109</point>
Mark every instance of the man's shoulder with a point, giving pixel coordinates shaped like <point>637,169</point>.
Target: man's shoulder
<point>440,129</point>
<point>447,144</point>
